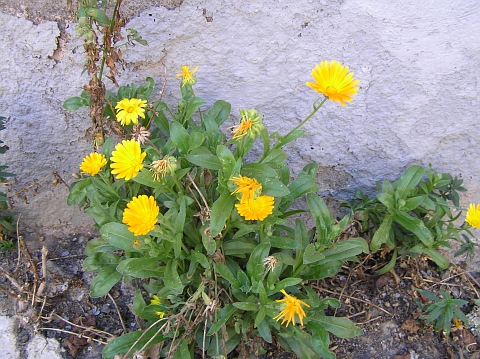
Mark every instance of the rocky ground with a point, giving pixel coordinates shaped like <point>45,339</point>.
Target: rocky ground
<point>50,313</point>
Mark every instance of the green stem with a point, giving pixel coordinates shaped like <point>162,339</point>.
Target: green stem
<point>315,109</point>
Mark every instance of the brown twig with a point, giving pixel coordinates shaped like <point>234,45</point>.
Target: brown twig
<point>354,298</point>
<point>118,312</point>
<point>79,335</point>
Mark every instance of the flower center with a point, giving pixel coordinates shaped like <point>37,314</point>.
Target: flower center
<point>131,109</point>
<point>332,90</point>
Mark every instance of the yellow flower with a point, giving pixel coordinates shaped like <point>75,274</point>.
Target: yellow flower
<point>93,163</point>
<point>129,109</point>
<point>249,188</point>
<point>141,215</point>
<point>250,125</point>
<point>160,314</point>
<point>473,215</point>
<point>255,209</point>
<point>156,300</point>
<point>187,75</point>
<point>293,306</point>
<point>127,159</point>
<point>333,81</point>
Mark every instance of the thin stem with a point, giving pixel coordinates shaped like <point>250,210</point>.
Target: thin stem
<point>315,109</point>
<point>112,25</point>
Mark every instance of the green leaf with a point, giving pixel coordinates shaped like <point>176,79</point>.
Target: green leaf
<point>284,243</point>
<point>381,234</point>
<point>223,316</point>
<point>100,260</point>
<point>104,281</point>
<point>264,331</point>
<point>97,245</point>
<point>439,259</point>
<point>140,268</point>
<point>312,255</point>
<point>344,250</point>
<point>180,137</point>
<point>78,191</point>
<point>341,327</point>
<point>409,180</point>
<point>204,158</point>
<point>220,111</point>
<point>273,187</point>
<point>413,203</point>
<point>276,155</point>
<point>247,306</point>
<point>320,340</point>
<point>260,252</point>
<point>118,235</point>
<point>182,352</point>
<point>221,210</point>
<point>390,265</point>
<point>137,339</point>
<point>193,105</point>
<point>414,225</point>
<point>223,270</point>
<point>171,278</point>
<point>287,282</point>
<point>323,218</point>
<point>74,103</point>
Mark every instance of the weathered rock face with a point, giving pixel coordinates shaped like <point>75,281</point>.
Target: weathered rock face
<point>418,103</point>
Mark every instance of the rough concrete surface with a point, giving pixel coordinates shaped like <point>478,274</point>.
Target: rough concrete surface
<point>37,347</point>
<point>418,64</point>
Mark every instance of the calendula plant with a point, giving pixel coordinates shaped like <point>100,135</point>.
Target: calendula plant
<point>415,215</point>
<point>223,258</point>
<point>442,311</point>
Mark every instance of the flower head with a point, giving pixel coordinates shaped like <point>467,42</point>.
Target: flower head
<point>250,125</point>
<point>247,187</point>
<point>473,215</point>
<point>127,159</point>
<point>156,300</point>
<point>334,81</point>
<point>141,215</point>
<point>293,306</point>
<point>270,263</point>
<point>187,76</point>
<point>93,163</point>
<point>140,134</point>
<point>255,209</point>
<point>160,168</point>
<point>129,109</point>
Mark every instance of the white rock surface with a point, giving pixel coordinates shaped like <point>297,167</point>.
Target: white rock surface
<point>38,347</point>
<point>7,338</point>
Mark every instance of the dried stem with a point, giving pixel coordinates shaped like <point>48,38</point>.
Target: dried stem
<point>118,312</point>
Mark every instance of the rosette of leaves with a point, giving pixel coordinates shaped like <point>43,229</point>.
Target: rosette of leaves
<point>413,215</point>
<point>218,276</point>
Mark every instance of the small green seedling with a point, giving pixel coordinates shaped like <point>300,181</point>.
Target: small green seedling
<point>442,311</point>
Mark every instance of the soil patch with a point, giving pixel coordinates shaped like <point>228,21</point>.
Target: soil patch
<point>385,306</point>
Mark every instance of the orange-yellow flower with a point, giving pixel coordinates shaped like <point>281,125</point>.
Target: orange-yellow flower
<point>473,215</point>
<point>251,125</point>
<point>93,163</point>
<point>127,159</point>
<point>255,209</point>
<point>293,306</point>
<point>141,215</point>
<point>187,75</point>
<point>333,80</point>
<point>248,187</point>
<point>129,109</point>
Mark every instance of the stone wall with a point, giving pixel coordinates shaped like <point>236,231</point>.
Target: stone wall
<point>418,63</point>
